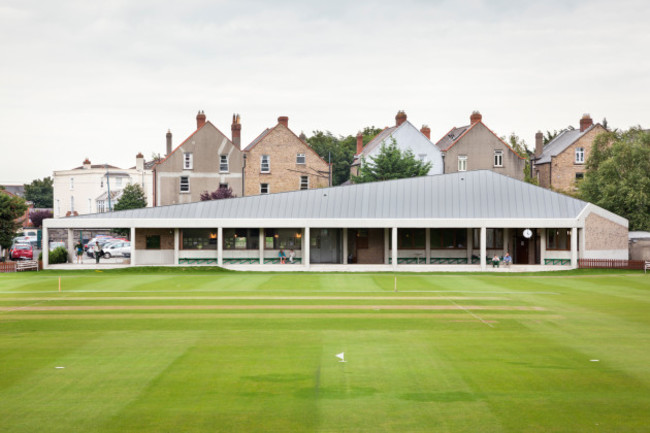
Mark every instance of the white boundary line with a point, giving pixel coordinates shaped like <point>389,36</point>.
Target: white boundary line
<point>472,314</point>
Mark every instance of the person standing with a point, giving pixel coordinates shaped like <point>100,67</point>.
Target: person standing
<point>79,249</point>
<point>97,252</point>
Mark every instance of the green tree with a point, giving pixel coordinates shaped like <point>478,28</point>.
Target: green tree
<point>40,192</point>
<point>11,208</point>
<point>618,175</point>
<point>391,163</point>
<point>520,147</point>
<point>132,198</point>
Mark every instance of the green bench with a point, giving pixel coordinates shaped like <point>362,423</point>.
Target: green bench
<point>203,261</point>
<point>557,261</point>
<point>241,261</point>
<point>276,260</point>
<point>433,260</point>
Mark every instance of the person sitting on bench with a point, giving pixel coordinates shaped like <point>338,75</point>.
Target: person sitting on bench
<point>495,261</point>
<point>507,260</point>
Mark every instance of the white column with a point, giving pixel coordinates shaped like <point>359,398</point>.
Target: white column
<point>70,246</point>
<point>581,243</point>
<point>132,246</point>
<point>574,247</point>
<point>220,246</point>
<point>427,245</point>
<point>305,248</point>
<point>386,246</point>
<point>345,245</point>
<point>46,247</point>
<point>483,248</point>
<point>394,249</point>
<point>177,239</point>
<point>470,245</point>
<point>261,241</point>
<point>542,246</point>
<point>506,241</point>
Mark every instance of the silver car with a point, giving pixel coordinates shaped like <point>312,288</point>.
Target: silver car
<point>117,249</point>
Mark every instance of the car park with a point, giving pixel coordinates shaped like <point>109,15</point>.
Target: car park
<point>101,241</point>
<point>117,249</point>
<point>21,252</point>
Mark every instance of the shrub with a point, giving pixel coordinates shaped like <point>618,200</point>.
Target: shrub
<point>58,255</point>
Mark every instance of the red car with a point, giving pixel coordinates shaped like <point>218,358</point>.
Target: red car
<point>21,252</point>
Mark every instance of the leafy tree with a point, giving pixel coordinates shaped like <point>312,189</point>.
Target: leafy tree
<point>40,192</point>
<point>132,198</point>
<point>517,144</point>
<point>11,208</point>
<point>221,193</point>
<point>391,163</point>
<point>618,175</point>
<point>38,216</point>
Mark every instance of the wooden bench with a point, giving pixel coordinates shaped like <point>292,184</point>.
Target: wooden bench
<point>646,266</point>
<point>26,265</point>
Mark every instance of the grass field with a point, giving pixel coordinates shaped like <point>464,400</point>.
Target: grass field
<point>172,350</point>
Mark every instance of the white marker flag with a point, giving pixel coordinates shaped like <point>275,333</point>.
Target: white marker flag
<point>341,356</point>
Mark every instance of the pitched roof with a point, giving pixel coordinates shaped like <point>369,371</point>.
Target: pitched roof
<point>379,139</point>
<point>454,136</point>
<point>97,166</point>
<point>257,140</point>
<point>190,136</point>
<point>480,194</point>
<point>268,130</point>
<point>559,144</point>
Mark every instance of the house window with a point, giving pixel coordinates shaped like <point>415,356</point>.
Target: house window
<point>462,163</point>
<point>300,158</point>
<point>558,239</point>
<point>185,184</point>
<point>264,188</point>
<point>448,238</point>
<point>580,155</point>
<point>493,238</point>
<point>199,239</point>
<point>58,207</point>
<point>304,182</point>
<point>422,157</point>
<point>579,176</point>
<point>498,158</point>
<point>72,183</point>
<point>411,238</point>
<point>101,206</point>
<point>223,164</point>
<point>71,204</point>
<point>223,185</point>
<point>187,161</point>
<point>118,181</point>
<point>153,242</point>
<point>265,164</point>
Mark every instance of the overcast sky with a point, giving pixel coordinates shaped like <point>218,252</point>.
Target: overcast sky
<point>105,80</point>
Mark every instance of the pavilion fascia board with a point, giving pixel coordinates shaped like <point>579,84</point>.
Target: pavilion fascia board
<point>97,223</point>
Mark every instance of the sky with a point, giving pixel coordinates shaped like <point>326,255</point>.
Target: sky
<point>106,80</point>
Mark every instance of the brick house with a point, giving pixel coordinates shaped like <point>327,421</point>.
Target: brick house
<point>278,161</point>
<point>205,161</point>
<point>561,163</point>
<point>477,147</point>
<point>407,137</point>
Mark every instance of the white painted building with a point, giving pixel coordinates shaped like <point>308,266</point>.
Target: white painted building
<point>85,189</point>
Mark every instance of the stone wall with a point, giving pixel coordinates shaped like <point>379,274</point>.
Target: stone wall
<point>603,234</point>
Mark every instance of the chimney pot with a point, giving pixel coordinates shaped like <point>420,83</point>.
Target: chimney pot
<point>236,130</point>
<point>86,164</point>
<point>400,117</point>
<point>539,144</point>
<point>359,143</point>
<point>475,117</point>
<point>585,122</point>
<point>200,119</point>
<point>169,142</point>
<point>284,120</point>
<point>139,161</point>
<point>426,131</point>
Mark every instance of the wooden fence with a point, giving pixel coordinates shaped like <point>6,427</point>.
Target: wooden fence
<point>6,267</point>
<point>610,264</point>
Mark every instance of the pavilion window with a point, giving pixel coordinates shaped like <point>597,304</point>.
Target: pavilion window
<point>199,239</point>
<point>411,238</point>
<point>153,242</point>
<point>493,238</point>
<point>448,238</point>
<point>558,239</point>
<point>241,239</point>
<point>274,239</point>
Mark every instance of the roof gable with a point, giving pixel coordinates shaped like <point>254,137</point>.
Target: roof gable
<point>205,126</point>
<point>456,135</point>
<point>260,138</point>
<point>560,143</point>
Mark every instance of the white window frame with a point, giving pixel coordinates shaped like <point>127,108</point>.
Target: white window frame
<point>580,155</point>
<point>188,161</point>
<point>304,182</point>
<point>462,162</point>
<point>224,166</point>
<point>498,158</point>
<point>187,191</point>
<point>265,159</point>
<point>300,156</point>
<point>101,206</point>
<point>268,189</point>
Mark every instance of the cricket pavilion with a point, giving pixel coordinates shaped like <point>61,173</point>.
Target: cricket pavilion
<point>447,222</point>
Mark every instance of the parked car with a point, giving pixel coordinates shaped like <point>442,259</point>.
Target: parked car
<point>117,249</point>
<point>25,240</point>
<point>21,252</point>
<point>102,242</point>
<point>102,239</point>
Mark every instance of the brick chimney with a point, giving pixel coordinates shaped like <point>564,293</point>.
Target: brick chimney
<point>87,165</point>
<point>475,117</point>
<point>539,144</point>
<point>235,128</point>
<point>169,142</point>
<point>139,162</point>
<point>200,119</point>
<point>585,122</point>
<point>426,131</point>
<point>359,143</point>
<point>400,117</point>
<point>284,120</point>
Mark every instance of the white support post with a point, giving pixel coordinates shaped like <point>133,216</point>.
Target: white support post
<point>483,248</point>
<point>542,246</point>
<point>581,243</point>
<point>427,245</point>
<point>305,248</point>
<point>70,246</point>
<point>386,246</point>
<point>574,247</point>
<point>394,249</point>
<point>506,241</point>
<point>220,246</point>
<point>46,248</point>
<point>262,238</point>
<point>132,246</point>
<point>345,245</point>
<point>177,238</point>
